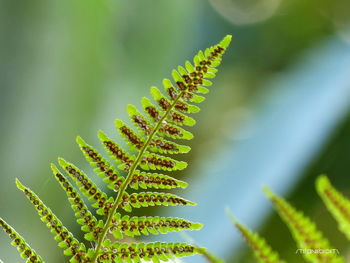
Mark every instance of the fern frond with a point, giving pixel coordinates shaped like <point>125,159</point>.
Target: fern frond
<point>262,250</point>
<point>161,122</point>
<point>309,239</point>
<point>338,205</point>
<point>148,149</point>
<point>72,247</point>
<point>18,241</point>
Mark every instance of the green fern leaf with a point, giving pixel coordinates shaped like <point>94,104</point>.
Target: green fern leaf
<point>152,161</point>
<point>104,170</point>
<point>140,252</point>
<point>116,152</point>
<point>88,188</point>
<point>310,241</point>
<point>147,199</point>
<point>72,247</point>
<point>336,202</point>
<point>146,180</point>
<point>136,226</point>
<point>262,251</point>
<point>161,122</point>
<point>17,241</point>
<point>84,217</point>
<point>134,142</point>
<point>147,152</point>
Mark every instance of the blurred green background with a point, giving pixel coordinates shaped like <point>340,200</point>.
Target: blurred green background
<point>277,115</point>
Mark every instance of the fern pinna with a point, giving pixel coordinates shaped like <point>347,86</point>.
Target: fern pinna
<point>337,204</point>
<point>148,151</point>
<point>262,250</point>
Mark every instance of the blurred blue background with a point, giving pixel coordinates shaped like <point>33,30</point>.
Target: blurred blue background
<point>277,115</point>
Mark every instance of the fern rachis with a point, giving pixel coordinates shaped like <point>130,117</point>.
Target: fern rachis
<point>148,150</point>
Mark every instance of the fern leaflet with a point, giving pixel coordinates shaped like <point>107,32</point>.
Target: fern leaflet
<point>26,251</point>
<point>71,246</point>
<point>262,251</point>
<point>337,203</point>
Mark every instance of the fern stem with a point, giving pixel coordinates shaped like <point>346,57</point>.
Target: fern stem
<point>129,179</point>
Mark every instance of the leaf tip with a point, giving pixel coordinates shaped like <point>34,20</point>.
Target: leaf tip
<point>62,161</point>
<point>267,192</point>
<point>19,184</point>
<point>183,165</point>
<point>201,250</point>
<point>197,226</point>
<point>53,167</point>
<point>322,181</point>
<point>79,140</point>
<point>118,123</point>
<point>183,185</point>
<point>153,89</point>
<point>226,41</point>
<point>191,203</point>
<point>230,215</point>
<point>130,108</point>
<point>101,134</point>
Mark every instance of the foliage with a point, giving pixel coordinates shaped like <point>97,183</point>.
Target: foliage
<point>18,241</point>
<point>311,243</point>
<point>148,150</point>
<point>262,251</point>
<point>338,205</point>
